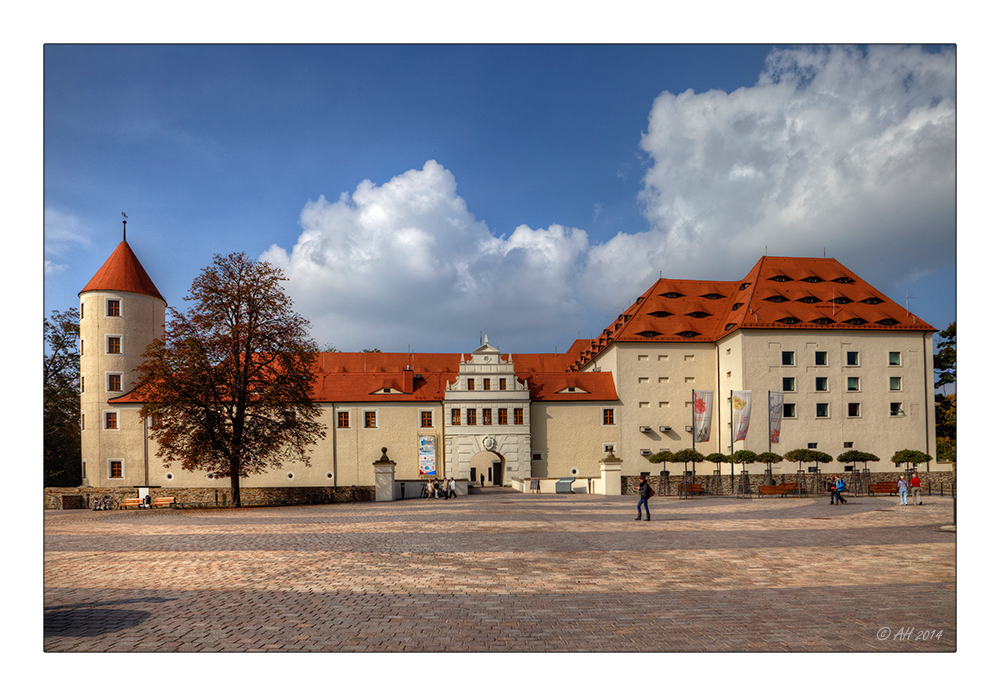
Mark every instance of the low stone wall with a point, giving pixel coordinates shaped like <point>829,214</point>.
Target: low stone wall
<point>71,498</point>
<point>932,483</point>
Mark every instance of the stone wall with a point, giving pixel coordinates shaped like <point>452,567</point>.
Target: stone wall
<point>932,483</point>
<point>70,498</point>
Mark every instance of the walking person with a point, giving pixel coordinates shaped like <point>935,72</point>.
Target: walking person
<point>901,484</point>
<point>838,488</point>
<point>833,490</point>
<point>451,488</point>
<point>915,488</point>
<point>482,480</point>
<point>645,491</point>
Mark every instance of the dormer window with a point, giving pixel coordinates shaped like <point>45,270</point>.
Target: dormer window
<point>660,315</point>
<point>808,299</point>
<point>841,300</point>
<point>812,279</point>
<point>688,334</point>
<point>788,320</point>
<point>872,300</point>
<point>822,321</point>
<point>730,326</point>
<point>737,305</point>
<point>843,280</point>
<point>713,296</point>
<point>887,322</point>
<point>856,321</point>
<point>671,295</point>
<point>649,334</point>
<point>744,286</point>
<point>698,315</point>
<point>776,298</point>
<point>781,279</point>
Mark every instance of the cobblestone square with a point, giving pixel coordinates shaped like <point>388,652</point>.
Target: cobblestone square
<point>509,572</point>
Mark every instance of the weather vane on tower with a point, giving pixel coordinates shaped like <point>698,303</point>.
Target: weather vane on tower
<point>124,222</point>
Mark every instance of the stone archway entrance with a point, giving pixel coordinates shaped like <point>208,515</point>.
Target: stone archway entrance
<point>489,465</point>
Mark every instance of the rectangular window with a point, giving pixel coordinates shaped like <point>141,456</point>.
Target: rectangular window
<point>609,416</point>
<point>83,421</point>
<point>114,382</point>
<point>518,416</point>
<point>115,468</point>
<point>456,416</point>
<point>370,419</point>
<point>853,384</point>
<point>503,384</point>
<point>822,410</point>
<point>487,416</point>
<point>82,384</point>
<point>486,383</point>
<point>854,410</point>
<point>470,384</point>
<point>894,358</point>
<point>114,345</point>
<point>502,416</point>
<point>111,420</point>
<point>822,384</point>
<point>788,357</point>
<point>81,309</point>
<point>853,358</point>
<point>812,445</point>
<point>426,419</point>
<point>848,445</point>
<point>895,383</point>
<point>788,411</point>
<point>788,384</point>
<point>114,308</point>
<point>821,357</point>
<point>470,416</point>
<point>81,347</point>
<point>895,409</point>
<point>343,419</point>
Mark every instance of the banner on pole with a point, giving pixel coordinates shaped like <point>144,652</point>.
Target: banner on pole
<point>702,415</point>
<point>776,405</point>
<point>741,414</point>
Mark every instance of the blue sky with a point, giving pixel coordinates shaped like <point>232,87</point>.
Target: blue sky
<point>418,195</point>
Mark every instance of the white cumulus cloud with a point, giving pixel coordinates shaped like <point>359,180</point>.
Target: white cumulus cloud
<point>848,149</point>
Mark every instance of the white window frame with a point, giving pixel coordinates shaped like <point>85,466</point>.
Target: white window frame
<point>861,411</point>
<point>823,403</point>
<point>420,418</point>
<point>121,382</point>
<point>826,358</point>
<point>121,344</point>
<point>847,363</point>
<point>121,307</point>
<point>826,385</point>
<point>614,415</point>
<point>336,419</point>
<point>899,355</point>
<point>899,383</point>
<point>364,412</point>
<point>784,381</point>
<point>782,358</point>
<point>847,386</point>
<point>104,419</point>
<point>784,409</point>
<point>108,468</point>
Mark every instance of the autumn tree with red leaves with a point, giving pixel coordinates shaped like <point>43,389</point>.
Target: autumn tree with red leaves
<point>228,387</point>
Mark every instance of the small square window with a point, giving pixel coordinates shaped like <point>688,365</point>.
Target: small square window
<point>343,419</point>
<point>115,468</point>
<point>456,416</point>
<point>848,445</point>
<point>502,416</point>
<point>854,410</point>
<point>426,419</point>
<point>111,420</point>
<point>114,382</point>
<point>371,420</point>
<point>609,416</point>
<point>470,384</point>
<point>895,409</point>
<point>114,345</point>
<point>114,308</point>
<point>895,358</point>
<point>788,357</point>
<point>518,416</point>
<point>895,383</point>
<point>503,384</point>
<point>821,357</point>
<point>853,384</point>
<point>788,411</point>
<point>822,410</point>
<point>486,383</point>
<point>822,384</point>
<point>853,358</point>
<point>788,384</point>
<point>812,445</point>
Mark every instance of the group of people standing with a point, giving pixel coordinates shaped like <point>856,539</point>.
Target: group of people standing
<point>439,488</point>
<point>913,486</point>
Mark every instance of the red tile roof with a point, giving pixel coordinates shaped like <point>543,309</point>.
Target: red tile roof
<point>780,292</point>
<point>122,272</point>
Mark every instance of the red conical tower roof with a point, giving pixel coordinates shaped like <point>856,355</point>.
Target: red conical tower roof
<point>122,272</point>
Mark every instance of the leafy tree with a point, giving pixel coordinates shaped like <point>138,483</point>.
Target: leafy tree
<point>717,458</point>
<point>371,350</point>
<point>854,456</point>
<point>808,456</point>
<point>61,399</point>
<point>945,357</point>
<point>769,458</point>
<point>229,385</point>
<point>744,457</point>
<point>911,457</point>
<point>687,455</point>
<point>945,449</point>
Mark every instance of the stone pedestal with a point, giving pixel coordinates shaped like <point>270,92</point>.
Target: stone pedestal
<point>385,478</point>
<point>611,475</point>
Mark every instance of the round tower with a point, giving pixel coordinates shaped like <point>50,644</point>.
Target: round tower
<point>121,312</point>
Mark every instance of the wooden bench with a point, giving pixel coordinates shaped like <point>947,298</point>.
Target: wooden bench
<point>771,490</point>
<point>792,487</point>
<point>691,488</point>
<point>164,502</point>
<point>131,502</point>
<point>883,488</point>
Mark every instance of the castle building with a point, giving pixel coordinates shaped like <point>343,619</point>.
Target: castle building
<point>853,368</point>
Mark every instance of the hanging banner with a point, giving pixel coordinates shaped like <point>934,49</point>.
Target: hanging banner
<point>776,405</point>
<point>426,459</point>
<point>741,414</point>
<point>702,415</point>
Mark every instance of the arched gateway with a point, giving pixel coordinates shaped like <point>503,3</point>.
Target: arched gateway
<point>488,411</point>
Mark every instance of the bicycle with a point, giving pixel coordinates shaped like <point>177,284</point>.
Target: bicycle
<point>105,503</point>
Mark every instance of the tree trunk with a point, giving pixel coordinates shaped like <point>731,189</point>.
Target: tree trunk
<point>234,483</point>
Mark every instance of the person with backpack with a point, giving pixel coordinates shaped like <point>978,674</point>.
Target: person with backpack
<point>645,493</point>
<point>839,487</point>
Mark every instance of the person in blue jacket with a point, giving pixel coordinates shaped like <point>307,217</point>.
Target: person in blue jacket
<point>644,493</point>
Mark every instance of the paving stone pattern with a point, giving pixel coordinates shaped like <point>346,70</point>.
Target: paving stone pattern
<point>504,571</point>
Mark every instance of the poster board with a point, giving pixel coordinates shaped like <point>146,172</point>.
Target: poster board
<point>427,456</point>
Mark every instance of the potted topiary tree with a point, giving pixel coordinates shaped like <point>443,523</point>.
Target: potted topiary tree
<point>684,456</point>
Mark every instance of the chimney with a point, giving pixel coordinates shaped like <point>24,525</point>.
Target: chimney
<point>408,380</point>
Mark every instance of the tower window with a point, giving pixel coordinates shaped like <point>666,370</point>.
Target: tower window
<point>114,345</point>
<point>114,308</point>
<point>609,416</point>
<point>115,382</point>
